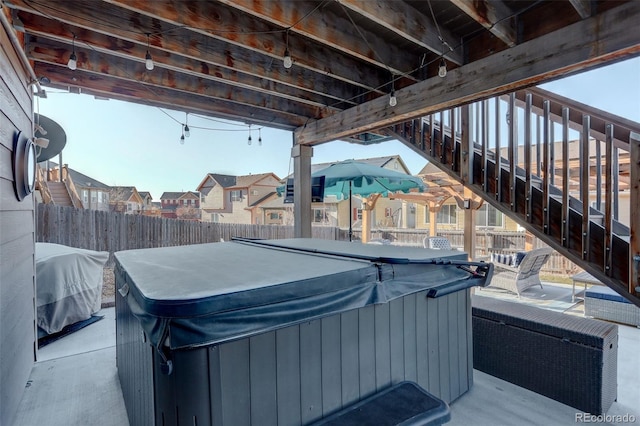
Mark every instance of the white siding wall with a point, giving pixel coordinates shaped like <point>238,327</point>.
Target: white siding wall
<point>17,236</point>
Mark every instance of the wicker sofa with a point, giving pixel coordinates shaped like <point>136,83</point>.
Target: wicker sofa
<point>523,276</point>
<point>604,303</point>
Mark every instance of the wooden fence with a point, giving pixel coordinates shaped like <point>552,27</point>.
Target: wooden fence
<point>112,232</point>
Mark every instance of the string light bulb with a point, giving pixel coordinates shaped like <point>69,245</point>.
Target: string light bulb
<point>182,138</point>
<point>259,137</point>
<point>442,69</point>
<point>287,60</point>
<point>186,131</point>
<point>393,101</point>
<point>73,59</point>
<point>148,60</point>
<point>249,138</point>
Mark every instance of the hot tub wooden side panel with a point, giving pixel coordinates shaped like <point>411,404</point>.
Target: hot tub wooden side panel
<point>304,372</point>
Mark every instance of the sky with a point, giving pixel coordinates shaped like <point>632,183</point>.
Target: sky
<point>126,144</point>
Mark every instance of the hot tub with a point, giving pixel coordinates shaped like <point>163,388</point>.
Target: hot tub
<point>286,332</point>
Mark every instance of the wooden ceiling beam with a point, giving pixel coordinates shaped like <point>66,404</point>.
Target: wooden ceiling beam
<point>209,54</point>
<point>134,72</point>
<point>57,50</point>
<point>579,46</point>
<point>333,29</point>
<point>419,29</point>
<point>136,92</point>
<point>583,7</point>
<point>493,15</point>
<point>176,38</point>
<point>220,22</point>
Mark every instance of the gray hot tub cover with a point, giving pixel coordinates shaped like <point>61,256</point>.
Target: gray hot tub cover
<point>204,294</point>
<point>68,283</point>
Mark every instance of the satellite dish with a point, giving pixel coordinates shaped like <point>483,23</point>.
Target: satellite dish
<point>54,133</point>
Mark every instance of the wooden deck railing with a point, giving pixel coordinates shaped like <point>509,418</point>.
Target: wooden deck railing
<point>561,169</point>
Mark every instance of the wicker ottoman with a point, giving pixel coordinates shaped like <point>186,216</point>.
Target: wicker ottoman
<point>605,303</point>
<point>567,358</point>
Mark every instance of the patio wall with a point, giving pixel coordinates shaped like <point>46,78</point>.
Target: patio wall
<point>17,266</point>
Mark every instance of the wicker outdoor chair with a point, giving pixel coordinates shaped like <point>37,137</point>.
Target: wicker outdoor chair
<point>441,243</point>
<point>525,275</point>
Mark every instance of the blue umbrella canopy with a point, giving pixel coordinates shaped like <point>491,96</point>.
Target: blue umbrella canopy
<point>350,177</point>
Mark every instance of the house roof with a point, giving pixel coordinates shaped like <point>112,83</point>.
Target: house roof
<point>122,193</point>
<point>178,195</point>
<point>145,194</point>
<point>249,180</point>
<point>263,199</point>
<point>82,180</point>
<point>375,161</point>
<point>223,180</point>
<point>236,182</point>
<point>276,203</point>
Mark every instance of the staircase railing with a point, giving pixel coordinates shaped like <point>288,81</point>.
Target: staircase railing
<point>41,185</point>
<point>71,188</point>
<point>561,169</point>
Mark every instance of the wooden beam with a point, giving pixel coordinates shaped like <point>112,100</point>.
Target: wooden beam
<point>197,53</point>
<point>493,15</point>
<point>302,190</point>
<point>134,71</point>
<point>420,29</point>
<point>582,45</point>
<point>331,28</point>
<point>583,7</point>
<point>138,92</point>
<point>220,22</point>
<point>45,40</point>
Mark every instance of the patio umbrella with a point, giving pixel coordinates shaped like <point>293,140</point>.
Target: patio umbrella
<point>348,178</point>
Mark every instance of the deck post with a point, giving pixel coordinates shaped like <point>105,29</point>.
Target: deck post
<point>634,212</point>
<point>302,190</point>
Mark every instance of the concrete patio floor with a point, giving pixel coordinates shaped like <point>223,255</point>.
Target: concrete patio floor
<point>75,382</point>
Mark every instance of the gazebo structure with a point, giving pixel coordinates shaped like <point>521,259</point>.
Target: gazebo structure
<point>428,73</point>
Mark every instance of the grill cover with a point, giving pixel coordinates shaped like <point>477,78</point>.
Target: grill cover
<point>69,284</point>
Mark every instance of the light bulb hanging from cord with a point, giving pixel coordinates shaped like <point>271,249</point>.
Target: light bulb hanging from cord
<point>393,101</point>
<point>249,138</point>
<point>442,69</point>
<point>148,60</point>
<point>187,133</point>
<point>287,60</point>
<point>73,60</point>
<point>259,137</point>
<point>182,137</point>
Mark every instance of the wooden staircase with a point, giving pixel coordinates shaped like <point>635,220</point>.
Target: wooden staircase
<point>559,168</point>
<point>59,194</point>
<point>53,190</point>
